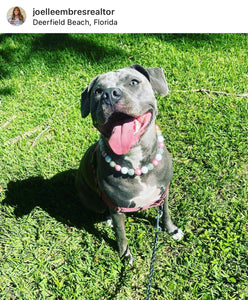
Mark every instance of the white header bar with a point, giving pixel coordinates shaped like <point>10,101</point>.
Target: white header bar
<point>109,16</point>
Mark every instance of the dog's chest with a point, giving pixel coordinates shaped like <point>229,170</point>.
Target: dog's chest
<point>131,192</point>
<point>145,194</point>
<point>135,191</point>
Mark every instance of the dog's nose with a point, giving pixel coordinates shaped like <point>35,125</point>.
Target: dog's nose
<point>111,95</point>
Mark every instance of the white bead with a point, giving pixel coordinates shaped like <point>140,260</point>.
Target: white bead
<point>150,167</point>
<point>160,138</point>
<point>104,154</point>
<point>112,164</point>
<point>158,157</point>
<point>108,159</point>
<point>131,172</point>
<point>160,151</point>
<point>144,170</point>
<point>124,170</point>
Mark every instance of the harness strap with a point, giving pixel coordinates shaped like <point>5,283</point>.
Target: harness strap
<point>158,202</point>
<point>118,209</point>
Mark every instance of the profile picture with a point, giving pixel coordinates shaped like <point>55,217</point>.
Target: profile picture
<point>16,16</point>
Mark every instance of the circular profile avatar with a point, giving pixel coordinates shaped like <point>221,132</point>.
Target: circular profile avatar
<point>16,16</point>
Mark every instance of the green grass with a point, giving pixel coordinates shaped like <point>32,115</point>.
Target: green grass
<point>50,247</point>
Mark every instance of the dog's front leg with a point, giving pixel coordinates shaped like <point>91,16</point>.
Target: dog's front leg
<point>119,227</point>
<point>167,224</point>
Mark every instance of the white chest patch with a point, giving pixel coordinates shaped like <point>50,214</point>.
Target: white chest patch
<point>147,195</point>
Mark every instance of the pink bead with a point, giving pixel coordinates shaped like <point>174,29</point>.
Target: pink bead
<point>161,145</point>
<point>155,162</point>
<point>118,167</point>
<point>138,171</point>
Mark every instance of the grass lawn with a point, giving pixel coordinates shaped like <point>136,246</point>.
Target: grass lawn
<point>50,247</point>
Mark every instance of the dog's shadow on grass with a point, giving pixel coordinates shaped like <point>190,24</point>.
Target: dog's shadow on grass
<point>58,197</point>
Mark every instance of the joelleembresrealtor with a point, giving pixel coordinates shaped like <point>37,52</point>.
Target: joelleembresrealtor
<point>73,12</point>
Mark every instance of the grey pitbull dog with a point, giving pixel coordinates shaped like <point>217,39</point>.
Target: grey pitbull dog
<point>129,168</point>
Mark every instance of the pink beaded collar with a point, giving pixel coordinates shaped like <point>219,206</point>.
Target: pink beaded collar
<point>142,169</point>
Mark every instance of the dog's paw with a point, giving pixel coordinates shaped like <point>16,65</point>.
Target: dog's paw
<point>109,221</point>
<point>177,234</point>
<point>127,258</point>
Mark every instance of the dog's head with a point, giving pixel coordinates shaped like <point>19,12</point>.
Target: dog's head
<point>122,104</point>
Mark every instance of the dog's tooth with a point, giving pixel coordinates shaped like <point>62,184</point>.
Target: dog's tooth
<point>137,126</point>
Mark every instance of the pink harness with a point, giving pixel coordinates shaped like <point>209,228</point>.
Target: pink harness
<point>118,209</point>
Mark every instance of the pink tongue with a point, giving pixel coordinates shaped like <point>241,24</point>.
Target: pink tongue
<point>123,137</point>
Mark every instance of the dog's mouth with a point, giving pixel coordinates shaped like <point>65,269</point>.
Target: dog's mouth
<point>124,131</point>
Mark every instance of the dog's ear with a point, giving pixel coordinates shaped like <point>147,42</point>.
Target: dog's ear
<point>156,78</point>
<point>85,103</point>
<point>85,99</point>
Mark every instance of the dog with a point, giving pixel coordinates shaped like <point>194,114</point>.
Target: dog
<point>129,168</point>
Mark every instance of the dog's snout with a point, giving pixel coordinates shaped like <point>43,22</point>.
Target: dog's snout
<point>111,95</point>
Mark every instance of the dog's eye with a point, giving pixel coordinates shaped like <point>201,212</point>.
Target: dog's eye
<point>98,91</point>
<point>134,82</point>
